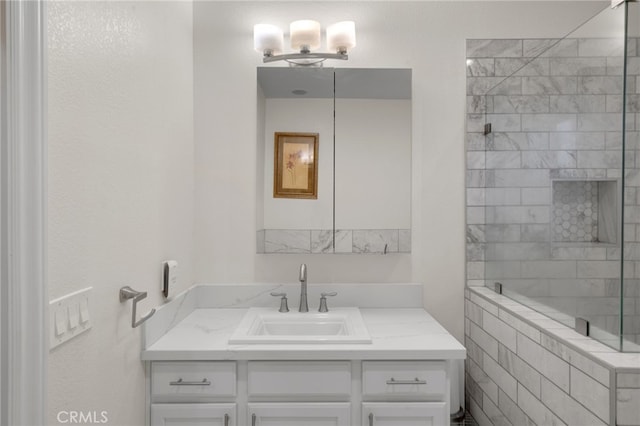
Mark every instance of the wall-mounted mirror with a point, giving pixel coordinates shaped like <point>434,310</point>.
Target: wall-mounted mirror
<point>360,120</point>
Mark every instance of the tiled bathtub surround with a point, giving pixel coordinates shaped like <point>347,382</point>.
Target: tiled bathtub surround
<point>525,369</point>
<point>374,241</point>
<point>556,130</point>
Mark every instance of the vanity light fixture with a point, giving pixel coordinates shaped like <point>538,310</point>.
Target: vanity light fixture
<point>305,38</point>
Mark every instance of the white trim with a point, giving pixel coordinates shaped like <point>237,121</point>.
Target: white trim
<point>23,225</point>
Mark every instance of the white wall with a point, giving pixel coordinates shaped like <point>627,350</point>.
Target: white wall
<point>428,37</point>
<point>120,185</point>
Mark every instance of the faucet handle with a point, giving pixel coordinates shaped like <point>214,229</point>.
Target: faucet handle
<point>283,301</point>
<point>323,301</point>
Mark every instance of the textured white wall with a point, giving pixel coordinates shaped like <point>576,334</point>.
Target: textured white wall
<point>120,185</point>
<point>426,36</point>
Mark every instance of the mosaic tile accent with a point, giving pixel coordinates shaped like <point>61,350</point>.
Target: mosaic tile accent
<point>575,211</point>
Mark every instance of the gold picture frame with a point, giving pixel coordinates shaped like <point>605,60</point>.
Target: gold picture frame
<point>295,170</point>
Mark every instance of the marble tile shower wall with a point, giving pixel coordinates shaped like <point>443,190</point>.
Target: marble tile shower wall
<point>556,126</point>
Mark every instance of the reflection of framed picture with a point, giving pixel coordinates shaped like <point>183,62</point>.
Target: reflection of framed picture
<point>295,170</point>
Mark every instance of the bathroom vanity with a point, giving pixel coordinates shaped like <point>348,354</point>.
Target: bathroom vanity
<point>402,375</point>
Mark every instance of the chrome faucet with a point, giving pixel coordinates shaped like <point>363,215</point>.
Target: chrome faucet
<point>304,307</point>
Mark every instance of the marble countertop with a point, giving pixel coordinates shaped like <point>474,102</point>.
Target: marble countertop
<point>397,333</point>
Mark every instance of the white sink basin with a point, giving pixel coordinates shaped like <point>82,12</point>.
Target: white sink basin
<point>268,326</point>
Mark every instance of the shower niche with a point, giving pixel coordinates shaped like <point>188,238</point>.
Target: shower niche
<point>584,211</point>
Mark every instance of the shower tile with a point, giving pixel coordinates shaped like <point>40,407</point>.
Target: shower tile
<point>475,122</point>
<point>520,104</point>
<point>500,376</point>
<point>548,364</point>
<point>568,409</point>
<point>579,253</point>
<point>511,410</point>
<point>521,178</point>
<point>549,85</point>
<point>476,179</point>
<point>549,122</point>
<point>577,103</point>
<point>497,86</point>
<point>523,372</point>
<point>575,211</point>
<point>535,409</point>
<point>475,233</point>
<point>628,380</point>
<point>548,159</point>
<point>504,122</point>
<point>517,214</point>
<point>627,406</point>
<point>502,196</point>
<point>519,141</point>
<point>475,215</point>
<point>590,393</point>
<point>475,197</point>
<point>476,160</point>
<point>489,48</point>
<point>498,329</point>
<point>536,196</point>
<point>517,251</point>
<point>502,270</point>
<point>481,67</point>
<point>521,66</point>
<point>578,173</point>
<point>531,232</point>
<point>549,269</point>
<point>521,326</point>
<point>502,233</point>
<point>601,46</point>
<point>580,140</point>
<point>598,269</point>
<point>487,385</point>
<point>478,104</point>
<point>593,369</point>
<point>605,122</point>
<point>473,312</point>
<point>503,160</point>
<point>599,85</point>
<point>599,159</point>
<point>577,66</point>
<point>490,408</point>
<point>550,47</point>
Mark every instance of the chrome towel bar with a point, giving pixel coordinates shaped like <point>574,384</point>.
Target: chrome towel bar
<point>127,293</point>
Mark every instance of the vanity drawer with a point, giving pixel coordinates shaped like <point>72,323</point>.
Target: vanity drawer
<point>192,381</point>
<point>300,379</point>
<point>416,380</point>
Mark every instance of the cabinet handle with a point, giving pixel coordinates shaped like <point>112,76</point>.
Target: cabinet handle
<point>415,381</point>
<point>370,419</point>
<point>226,420</point>
<point>180,382</point>
<point>253,420</point>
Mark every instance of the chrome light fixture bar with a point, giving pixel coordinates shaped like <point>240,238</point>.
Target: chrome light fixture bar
<point>305,38</point>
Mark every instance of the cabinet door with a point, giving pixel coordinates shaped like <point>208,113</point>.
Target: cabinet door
<point>300,414</point>
<point>405,414</point>
<point>193,415</point>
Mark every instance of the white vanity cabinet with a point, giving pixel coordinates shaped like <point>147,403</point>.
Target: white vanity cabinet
<point>299,393</point>
<point>193,393</point>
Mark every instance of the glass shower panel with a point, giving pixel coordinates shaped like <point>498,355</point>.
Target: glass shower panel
<point>630,291</point>
<point>552,170</point>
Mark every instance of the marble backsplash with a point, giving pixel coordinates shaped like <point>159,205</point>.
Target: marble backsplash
<point>371,241</point>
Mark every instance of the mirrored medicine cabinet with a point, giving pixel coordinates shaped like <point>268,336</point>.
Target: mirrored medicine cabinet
<point>333,160</point>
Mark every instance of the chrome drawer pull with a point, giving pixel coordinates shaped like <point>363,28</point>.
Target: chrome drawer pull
<point>253,420</point>
<point>415,381</point>
<point>370,419</point>
<point>226,420</point>
<point>180,382</point>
